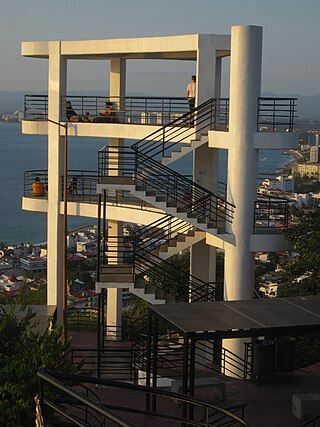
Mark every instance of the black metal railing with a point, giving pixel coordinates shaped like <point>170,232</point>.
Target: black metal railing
<point>212,114</point>
<point>82,187</point>
<point>129,109</point>
<point>59,396</point>
<point>276,114</point>
<point>111,363</point>
<point>271,214</point>
<point>82,319</point>
<point>163,231</point>
<point>312,422</point>
<point>165,184</point>
<point>123,255</point>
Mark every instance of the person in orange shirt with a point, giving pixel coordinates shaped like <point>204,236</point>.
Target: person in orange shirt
<point>37,187</point>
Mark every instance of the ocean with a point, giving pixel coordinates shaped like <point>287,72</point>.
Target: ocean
<point>19,153</point>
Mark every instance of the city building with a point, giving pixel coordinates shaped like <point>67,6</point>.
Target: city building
<point>314,153</point>
<point>311,170</point>
<point>33,264</point>
<point>281,182</point>
<point>137,184</point>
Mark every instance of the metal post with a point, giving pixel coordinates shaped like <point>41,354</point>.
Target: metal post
<point>65,226</point>
<point>98,336</point>
<point>155,363</point>
<point>148,370</point>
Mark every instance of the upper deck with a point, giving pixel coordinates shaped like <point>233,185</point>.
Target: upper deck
<point>182,47</point>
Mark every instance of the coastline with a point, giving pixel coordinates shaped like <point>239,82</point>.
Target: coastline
<point>289,165</point>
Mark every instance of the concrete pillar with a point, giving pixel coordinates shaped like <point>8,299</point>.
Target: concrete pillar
<point>206,160</point>
<point>115,228</point>
<point>203,256</point>
<point>55,230</point>
<point>245,86</point>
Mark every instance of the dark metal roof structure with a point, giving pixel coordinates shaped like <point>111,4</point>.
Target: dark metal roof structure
<point>232,319</point>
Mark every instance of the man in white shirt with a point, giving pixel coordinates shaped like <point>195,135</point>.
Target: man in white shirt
<point>191,95</point>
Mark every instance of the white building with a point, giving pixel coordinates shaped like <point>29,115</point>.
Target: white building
<point>281,182</point>
<point>235,126</point>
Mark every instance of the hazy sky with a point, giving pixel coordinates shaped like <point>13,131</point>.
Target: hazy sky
<point>291,42</point>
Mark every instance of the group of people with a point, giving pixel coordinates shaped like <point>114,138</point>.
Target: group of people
<point>39,188</point>
<point>107,115</point>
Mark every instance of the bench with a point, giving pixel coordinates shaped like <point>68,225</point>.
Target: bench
<point>305,406</point>
<point>218,386</point>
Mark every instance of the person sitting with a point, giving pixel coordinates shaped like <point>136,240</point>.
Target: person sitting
<point>71,115</point>
<point>107,115</point>
<point>37,187</point>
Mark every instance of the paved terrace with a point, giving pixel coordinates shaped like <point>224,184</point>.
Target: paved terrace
<point>269,404</point>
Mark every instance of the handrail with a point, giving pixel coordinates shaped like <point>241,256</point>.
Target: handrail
<point>273,114</point>
<point>276,114</point>
<point>212,114</point>
<point>149,175</point>
<point>271,212</point>
<point>312,422</point>
<point>54,379</point>
<point>161,231</point>
<point>127,109</point>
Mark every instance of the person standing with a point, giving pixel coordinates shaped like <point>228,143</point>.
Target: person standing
<point>191,95</point>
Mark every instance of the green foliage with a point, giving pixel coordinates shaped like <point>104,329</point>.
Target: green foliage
<point>305,239</point>
<point>172,276</point>
<point>23,352</point>
<point>81,272</point>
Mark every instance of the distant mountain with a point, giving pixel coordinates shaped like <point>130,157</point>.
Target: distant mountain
<point>308,106</point>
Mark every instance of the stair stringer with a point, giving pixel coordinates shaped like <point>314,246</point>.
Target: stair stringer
<point>183,149</point>
<point>152,200</point>
<point>165,251</point>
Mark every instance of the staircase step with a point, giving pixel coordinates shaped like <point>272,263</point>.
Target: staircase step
<point>171,204</point>
<point>149,289</point>
<point>161,198</point>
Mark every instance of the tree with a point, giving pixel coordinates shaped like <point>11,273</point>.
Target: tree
<point>23,352</point>
<point>305,239</point>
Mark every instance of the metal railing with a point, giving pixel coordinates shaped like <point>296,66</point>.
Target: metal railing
<point>312,422</point>
<point>129,109</point>
<point>271,214</point>
<point>60,396</point>
<point>81,185</point>
<point>83,189</point>
<point>167,185</point>
<point>124,255</point>
<point>276,114</point>
<point>212,114</point>
<point>163,231</point>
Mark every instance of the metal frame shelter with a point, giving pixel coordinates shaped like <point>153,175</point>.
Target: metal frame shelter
<point>227,319</point>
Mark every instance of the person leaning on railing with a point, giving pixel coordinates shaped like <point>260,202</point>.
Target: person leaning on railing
<point>37,187</point>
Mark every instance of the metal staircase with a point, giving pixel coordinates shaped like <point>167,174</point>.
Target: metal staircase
<point>140,263</point>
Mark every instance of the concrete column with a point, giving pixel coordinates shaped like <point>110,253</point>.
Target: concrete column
<point>245,86</point>
<point>117,89</point>
<point>114,295</point>
<point>205,160</point>
<point>203,256</point>
<point>55,230</point>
